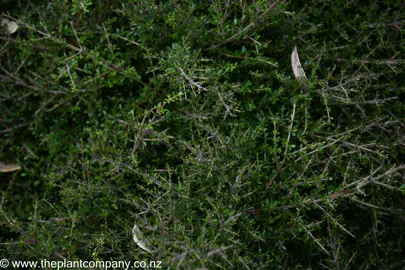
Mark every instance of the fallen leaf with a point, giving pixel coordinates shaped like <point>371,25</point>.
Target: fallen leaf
<point>9,168</point>
<point>139,239</point>
<point>10,25</point>
<point>299,72</point>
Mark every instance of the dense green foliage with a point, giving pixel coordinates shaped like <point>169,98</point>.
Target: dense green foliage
<point>183,117</point>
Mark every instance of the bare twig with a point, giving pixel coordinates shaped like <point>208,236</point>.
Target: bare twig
<point>218,250</point>
<point>378,62</point>
<point>313,237</point>
<point>121,37</point>
<point>199,87</point>
<point>227,108</point>
<point>366,181</point>
<point>334,220</point>
<point>289,134</point>
<point>15,127</point>
<point>249,58</point>
<point>248,28</point>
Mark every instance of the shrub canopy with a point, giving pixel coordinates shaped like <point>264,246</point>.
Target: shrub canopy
<point>184,118</point>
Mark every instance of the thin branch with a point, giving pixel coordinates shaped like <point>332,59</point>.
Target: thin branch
<point>121,37</point>
<point>370,179</point>
<point>378,62</point>
<point>191,81</point>
<point>15,127</point>
<point>227,107</point>
<point>248,28</point>
<point>316,240</point>
<point>334,220</point>
<point>289,133</point>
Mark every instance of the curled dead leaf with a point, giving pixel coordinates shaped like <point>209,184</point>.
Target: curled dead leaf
<point>6,168</point>
<point>298,71</point>
<point>140,240</point>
